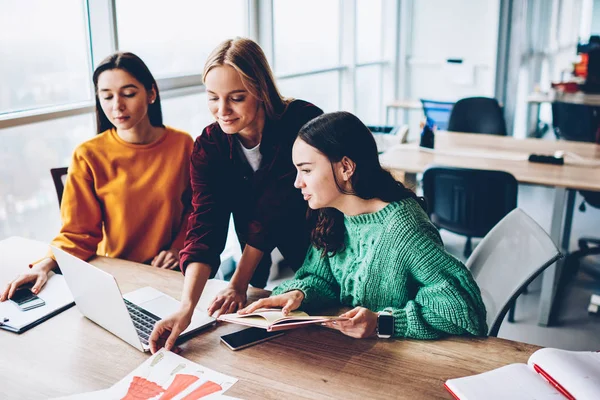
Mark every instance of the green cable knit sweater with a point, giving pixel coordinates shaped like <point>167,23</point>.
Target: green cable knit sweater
<point>394,260</point>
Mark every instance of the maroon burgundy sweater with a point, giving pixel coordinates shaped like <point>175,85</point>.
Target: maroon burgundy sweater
<point>268,211</point>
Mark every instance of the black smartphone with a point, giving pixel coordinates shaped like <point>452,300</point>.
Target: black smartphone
<point>248,337</point>
<point>24,298</point>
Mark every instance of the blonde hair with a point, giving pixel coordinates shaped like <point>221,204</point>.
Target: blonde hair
<point>248,59</point>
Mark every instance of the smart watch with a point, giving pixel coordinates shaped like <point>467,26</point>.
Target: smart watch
<point>385,324</point>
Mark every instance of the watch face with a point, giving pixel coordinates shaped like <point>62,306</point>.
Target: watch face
<point>385,324</point>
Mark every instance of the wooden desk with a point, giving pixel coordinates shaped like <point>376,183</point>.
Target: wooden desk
<point>535,99</point>
<point>573,98</point>
<point>69,354</point>
<point>491,152</point>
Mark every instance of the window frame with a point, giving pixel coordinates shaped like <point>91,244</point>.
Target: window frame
<point>102,37</point>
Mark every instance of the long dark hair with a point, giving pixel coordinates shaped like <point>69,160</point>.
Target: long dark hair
<point>134,66</point>
<point>338,135</point>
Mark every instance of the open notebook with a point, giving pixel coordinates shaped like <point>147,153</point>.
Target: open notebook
<point>548,374</point>
<point>274,320</point>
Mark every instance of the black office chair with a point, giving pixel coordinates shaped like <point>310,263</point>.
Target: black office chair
<point>579,123</point>
<point>59,176</point>
<point>575,122</point>
<point>468,202</point>
<point>477,115</point>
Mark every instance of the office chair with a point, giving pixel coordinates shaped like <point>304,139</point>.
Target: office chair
<point>477,115</point>
<point>508,258</point>
<point>59,176</point>
<point>577,122</point>
<point>468,202</point>
<point>438,112</point>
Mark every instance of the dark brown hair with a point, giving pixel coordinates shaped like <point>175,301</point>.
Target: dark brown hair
<point>134,66</point>
<point>338,135</point>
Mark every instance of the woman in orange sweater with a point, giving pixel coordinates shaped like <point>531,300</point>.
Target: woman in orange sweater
<point>127,193</point>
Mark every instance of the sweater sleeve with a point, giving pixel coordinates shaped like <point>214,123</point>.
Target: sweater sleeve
<point>81,211</point>
<point>448,300</point>
<point>315,280</point>
<point>209,219</point>
<point>187,202</point>
<point>186,199</point>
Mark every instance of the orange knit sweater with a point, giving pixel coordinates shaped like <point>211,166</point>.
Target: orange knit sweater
<point>125,200</point>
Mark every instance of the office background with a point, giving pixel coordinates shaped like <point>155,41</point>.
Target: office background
<point>353,55</point>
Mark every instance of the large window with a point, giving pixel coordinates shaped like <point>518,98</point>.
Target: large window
<point>44,53</point>
<point>187,113</point>
<point>337,54</point>
<point>46,91</point>
<point>369,28</point>
<point>306,35</point>
<point>28,202</point>
<point>339,58</point>
<point>320,89</point>
<point>175,37</point>
<point>368,89</point>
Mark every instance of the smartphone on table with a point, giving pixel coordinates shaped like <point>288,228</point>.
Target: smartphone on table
<point>248,337</point>
<point>25,299</point>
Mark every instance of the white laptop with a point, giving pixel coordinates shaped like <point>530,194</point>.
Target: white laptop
<point>130,317</point>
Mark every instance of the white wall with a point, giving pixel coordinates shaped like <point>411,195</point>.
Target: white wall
<point>596,18</point>
<point>443,29</point>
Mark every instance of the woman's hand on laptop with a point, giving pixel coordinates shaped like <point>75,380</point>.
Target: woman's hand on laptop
<point>37,274</point>
<point>289,301</point>
<point>166,331</point>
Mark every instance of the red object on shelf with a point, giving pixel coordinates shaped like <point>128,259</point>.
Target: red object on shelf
<point>567,87</point>
<point>581,68</point>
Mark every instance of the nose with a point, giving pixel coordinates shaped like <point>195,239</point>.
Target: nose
<point>224,108</point>
<point>118,104</point>
<point>298,182</point>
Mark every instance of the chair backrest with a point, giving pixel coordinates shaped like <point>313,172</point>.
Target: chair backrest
<point>468,201</point>
<point>59,177</point>
<point>438,112</point>
<point>513,254</point>
<point>477,115</point>
<point>576,122</point>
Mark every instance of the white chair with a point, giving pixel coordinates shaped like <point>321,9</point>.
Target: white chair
<point>508,258</point>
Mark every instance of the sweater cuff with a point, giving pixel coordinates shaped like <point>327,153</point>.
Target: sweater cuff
<point>400,321</point>
<point>294,284</point>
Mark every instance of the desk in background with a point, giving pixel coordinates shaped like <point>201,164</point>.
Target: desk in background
<point>405,104</point>
<point>505,153</point>
<point>69,354</point>
<point>536,99</point>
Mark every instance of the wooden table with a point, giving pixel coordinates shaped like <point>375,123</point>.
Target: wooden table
<point>504,153</point>
<point>69,354</point>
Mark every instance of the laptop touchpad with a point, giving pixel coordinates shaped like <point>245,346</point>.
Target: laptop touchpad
<point>161,306</point>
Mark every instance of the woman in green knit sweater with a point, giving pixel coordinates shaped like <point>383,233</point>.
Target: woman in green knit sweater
<point>374,247</point>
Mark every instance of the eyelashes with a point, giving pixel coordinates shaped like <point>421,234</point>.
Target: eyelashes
<point>129,95</point>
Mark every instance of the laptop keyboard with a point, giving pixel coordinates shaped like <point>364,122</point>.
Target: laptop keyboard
<point>142,320</point>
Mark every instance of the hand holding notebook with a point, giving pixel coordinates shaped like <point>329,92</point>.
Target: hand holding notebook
<point>275,320</point>
<point>548,374</point>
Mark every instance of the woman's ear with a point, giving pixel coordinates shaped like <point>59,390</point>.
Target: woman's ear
<point>152,95</point>
<point>348,167</point>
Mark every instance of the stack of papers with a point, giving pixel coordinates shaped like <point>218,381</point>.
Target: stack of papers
<point>165,375</point>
